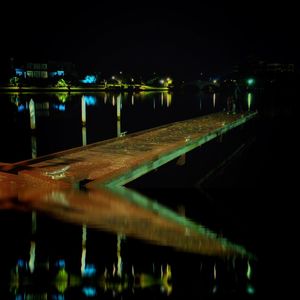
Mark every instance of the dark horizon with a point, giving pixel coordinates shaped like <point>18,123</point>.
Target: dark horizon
<point>190,39</point>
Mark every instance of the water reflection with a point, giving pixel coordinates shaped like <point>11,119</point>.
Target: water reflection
<point>119,134</point>
<point>126,212</point>
<point>200,103</point>
<point>90,100</point>
<point>83,252</point>
<point>55,118</point>
<point>214,100</point>
<point>65,261</point>
<point>32,114</point>
<point>59,107</point>
<point>33,147</point>
<point>119,103</point>
<point>249,100</point>
<point>62,97</point>
<point>83,119</point>
<point>83,111</point>
<point>168,99</point>
<point>113,100</point>
<point>84,137</point>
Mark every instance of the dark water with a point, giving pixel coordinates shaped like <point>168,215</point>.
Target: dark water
<point>63,121</point>
<point>42,257</point>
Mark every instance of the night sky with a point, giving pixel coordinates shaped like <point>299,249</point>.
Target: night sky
<point>186,38</point>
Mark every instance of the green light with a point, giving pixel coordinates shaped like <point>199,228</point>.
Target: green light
<point>249,100</point>
<point>61,280</point>
<point>61,83</point>
<point>250,289</point>
<point>62,97</point>
<point>249,272</point>
<point>250,81</point>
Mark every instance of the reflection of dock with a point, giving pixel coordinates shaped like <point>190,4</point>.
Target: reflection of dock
<point>126,212</point>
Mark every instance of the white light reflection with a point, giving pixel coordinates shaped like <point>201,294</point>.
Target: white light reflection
<point>32,114</point>
<point>119,265</point>
<point>84,139</point>
<point>119,107</point>
<point>214,100</point>
<point>249,271</point>
<point>83,254</point>
<point>215,272</point>
<point>83,111</point>
<point>31,263</point>
<point>118,128</point>
<point>119,104</point>
<point>83,120</point>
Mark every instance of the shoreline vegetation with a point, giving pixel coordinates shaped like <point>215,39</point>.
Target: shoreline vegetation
<point>99,88</point>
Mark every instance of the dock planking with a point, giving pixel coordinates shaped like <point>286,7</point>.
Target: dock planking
<point>120,160</point>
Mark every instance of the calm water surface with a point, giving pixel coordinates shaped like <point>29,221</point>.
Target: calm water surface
<point>49,253</point>
<point>37,124</point>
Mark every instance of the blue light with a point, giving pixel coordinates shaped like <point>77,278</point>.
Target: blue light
<point>57,73</point>
<point>89,271</point>
<point>21,263</point>
<point>89,291</point>
<point>58,297</point>
<point>60,107</point>
<point>21,108</point>
<point>19,72</point>
<point>60,263</point>
<point>90,100</point>
<point>19,297</point>
<point>89,79</point>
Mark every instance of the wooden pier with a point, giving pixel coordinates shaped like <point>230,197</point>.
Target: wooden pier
<point>120,160</point>
<point>52,183</point>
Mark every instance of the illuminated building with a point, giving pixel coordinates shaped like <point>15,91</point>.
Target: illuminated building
<point>43,70</point>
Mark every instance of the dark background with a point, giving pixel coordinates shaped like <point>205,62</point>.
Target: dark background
<point>186,38</point>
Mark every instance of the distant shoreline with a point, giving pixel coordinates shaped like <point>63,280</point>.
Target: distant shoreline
<point>82,89</point>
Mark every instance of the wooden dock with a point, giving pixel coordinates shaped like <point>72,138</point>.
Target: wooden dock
<point>120,160</point>
<point>51,184</point>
